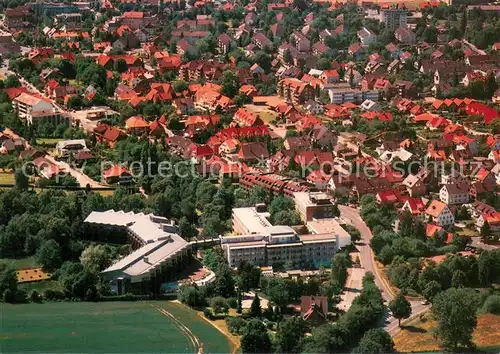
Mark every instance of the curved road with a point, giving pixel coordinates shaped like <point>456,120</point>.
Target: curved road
<point>367,260</point>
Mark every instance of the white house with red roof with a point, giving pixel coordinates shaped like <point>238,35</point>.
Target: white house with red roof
<point>440,213</point>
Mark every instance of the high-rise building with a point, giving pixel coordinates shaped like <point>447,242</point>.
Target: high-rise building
<point>394,17</point>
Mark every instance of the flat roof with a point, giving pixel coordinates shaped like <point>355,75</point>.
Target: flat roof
<point>255,222</point>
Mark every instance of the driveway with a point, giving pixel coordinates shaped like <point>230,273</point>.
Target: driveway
<point>81,178</point>
<point>367,260</point>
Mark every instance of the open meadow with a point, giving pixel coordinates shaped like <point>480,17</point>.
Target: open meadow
<point>416,336</point>
<point>107,327</point>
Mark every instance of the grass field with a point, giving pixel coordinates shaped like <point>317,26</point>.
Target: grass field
<point>106,327</point>
<point>20,263</point>
<point>417,335</point>
<point>48,141</point>
<point>7,178</point>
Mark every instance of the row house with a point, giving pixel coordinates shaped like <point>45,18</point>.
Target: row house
<point>200,69</point>
<point>196,25</point>
<point>244,118</point>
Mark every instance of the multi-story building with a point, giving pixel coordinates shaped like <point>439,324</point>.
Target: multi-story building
<point>16,17</point>
<point>295,91</point>
<point>258,242</point>
<point>159,250</point>
<point>454,193</point>
<point>51,9</point>
<point>70,20</point>
<point>342,93</point>
<point>313,205</point>
<point>32,109</point>
<point>394,17</point>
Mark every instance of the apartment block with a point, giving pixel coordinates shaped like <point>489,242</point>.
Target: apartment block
<point>342,93</point>
<point>256,241</point>
<point>394,17</point>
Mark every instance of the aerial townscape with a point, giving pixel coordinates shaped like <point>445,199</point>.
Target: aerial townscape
<point>245,176</point>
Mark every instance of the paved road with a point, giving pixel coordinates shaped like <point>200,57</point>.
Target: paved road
<point>477,243</point>
<point>81,178</point>
<point>353,287</point>
<point>367,260</point>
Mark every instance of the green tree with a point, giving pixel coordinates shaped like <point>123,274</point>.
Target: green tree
<point>219,305</point>
<point>120,65</point>
<point>239,307</point>
<point>191,295</point>
<point>289,335</point>
<point>400,308</point>
<point>431,290</point>
<point>96,258</point>
<point>455,312</point>
<point>249,276</point>
<point>8,279</point>
<point>229,82</point>
<point>21,180</point>
<point>180,86</point>
<point>376,340</point>
<point>12,81</point>
<point>49,255</point>
<point>255,338</point>
<point>340,264</point>
<point>255,310</point>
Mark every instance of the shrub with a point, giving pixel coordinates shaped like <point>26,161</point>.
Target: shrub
<point>236,325</point>
<point>7,296</point>
<point>208,313</point>
<point>232,302</point>
<point>492,305</point>
<point>34,296</point>
<point>219,305</point>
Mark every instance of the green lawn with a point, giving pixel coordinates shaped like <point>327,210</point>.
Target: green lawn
<point>20,263</point>
<point>48,141</point>
<point>106,327</point>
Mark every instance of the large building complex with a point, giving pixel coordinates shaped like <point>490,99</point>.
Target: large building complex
<point>158,248</point>
<point>258,242</point>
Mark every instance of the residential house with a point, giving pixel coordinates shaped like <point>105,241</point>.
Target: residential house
<point>106,134</point>
<point>137,125</point>
<point>295,91</point>
<point>414,185</point>
<point>224,43</point>
<point>314,310</point>
<point>454,193</point>
<point>33,108</point>
<point>117,174</point>
<point>440,214</point>
<point>366,36</point>
<point>246,118</point>
<point>405,35</point>
<point>253,152</point>
<point>261,41</point>
<point>301,42</point>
